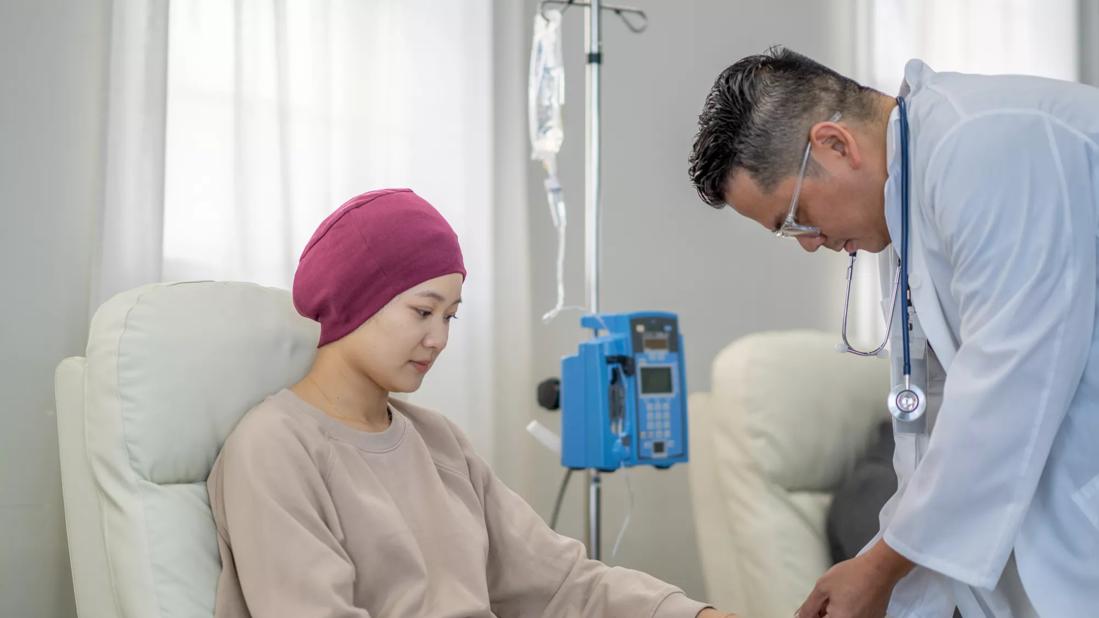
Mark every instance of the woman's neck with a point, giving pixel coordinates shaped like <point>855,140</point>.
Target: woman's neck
<point>344,394</point>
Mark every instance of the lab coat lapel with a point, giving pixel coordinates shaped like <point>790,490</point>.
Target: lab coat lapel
<point>925,300</point>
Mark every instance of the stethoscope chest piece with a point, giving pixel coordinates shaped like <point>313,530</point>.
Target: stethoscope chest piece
<point>906,402</point>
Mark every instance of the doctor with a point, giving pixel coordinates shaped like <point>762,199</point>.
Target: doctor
<point>997,506</point>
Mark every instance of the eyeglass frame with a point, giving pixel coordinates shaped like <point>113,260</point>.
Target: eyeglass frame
<point>790,228</point>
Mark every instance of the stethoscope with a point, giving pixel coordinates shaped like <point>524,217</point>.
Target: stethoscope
<point>906,401</point>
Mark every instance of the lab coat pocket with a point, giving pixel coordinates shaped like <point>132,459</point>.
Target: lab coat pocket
<point>1087,498</point>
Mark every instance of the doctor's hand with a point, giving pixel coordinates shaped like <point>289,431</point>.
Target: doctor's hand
<point>859,587</point>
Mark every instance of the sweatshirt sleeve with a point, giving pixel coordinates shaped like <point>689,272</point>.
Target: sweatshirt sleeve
<point>278,531</point>
<point>533,571</point>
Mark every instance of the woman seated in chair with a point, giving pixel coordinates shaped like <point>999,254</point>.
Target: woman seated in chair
<point>331,499</point>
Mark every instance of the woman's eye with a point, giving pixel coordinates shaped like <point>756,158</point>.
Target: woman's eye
<point>423,313</point>
<point>451,317</point>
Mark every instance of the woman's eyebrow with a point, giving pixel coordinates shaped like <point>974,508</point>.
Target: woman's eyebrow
<point>436,296</point>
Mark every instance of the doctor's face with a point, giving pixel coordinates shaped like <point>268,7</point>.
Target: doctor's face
<point>843,198</point>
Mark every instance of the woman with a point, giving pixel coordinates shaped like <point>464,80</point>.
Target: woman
<point>331,499</point>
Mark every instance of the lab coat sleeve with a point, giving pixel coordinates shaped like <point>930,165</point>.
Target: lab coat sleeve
<point>275,532</point>
<point>534,571</point>
<point>1019,238</point>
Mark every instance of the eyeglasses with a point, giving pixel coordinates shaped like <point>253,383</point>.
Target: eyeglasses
<point>790,228</point>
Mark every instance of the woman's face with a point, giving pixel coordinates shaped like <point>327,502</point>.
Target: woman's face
<point>397,346</point>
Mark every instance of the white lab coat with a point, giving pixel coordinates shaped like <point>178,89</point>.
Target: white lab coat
<point>1004,207</point>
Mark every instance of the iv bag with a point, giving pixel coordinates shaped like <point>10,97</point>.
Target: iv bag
<point>546,87</point>
<point>545,97</point>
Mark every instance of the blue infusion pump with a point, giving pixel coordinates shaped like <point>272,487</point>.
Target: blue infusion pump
<point>623,395</point>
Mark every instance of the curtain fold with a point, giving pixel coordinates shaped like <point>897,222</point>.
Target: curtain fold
<point>130,221</point>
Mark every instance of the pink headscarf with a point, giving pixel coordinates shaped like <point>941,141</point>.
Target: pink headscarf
<point>373,248</point>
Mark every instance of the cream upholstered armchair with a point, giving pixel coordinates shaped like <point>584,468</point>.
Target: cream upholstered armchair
<point>169,370</point>
<point>782,426</point>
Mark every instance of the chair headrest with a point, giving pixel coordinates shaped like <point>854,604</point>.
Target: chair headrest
<point>174,366</point>
<point>808,412</point>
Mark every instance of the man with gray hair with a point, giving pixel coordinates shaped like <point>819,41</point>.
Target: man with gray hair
<point>986,188</point>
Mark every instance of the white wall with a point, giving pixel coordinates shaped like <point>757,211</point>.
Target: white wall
<point>1089,42</point>
<point>53,67</point>
<point>663,248</point>
<point>512,311</point>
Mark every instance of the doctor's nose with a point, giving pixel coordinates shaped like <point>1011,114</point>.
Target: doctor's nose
<point>811,243</point>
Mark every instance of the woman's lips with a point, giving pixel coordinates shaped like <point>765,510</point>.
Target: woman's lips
<point>422,367</point>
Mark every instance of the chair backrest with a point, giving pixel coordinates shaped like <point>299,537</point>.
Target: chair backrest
<point>783,424</point>
<point>169,370</point>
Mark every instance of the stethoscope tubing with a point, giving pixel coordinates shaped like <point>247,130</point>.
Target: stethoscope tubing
<point>903,113</point>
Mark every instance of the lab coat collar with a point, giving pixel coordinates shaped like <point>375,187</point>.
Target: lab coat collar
<point>924,296</point>
<point>916,75</point>
<point>893,176</point>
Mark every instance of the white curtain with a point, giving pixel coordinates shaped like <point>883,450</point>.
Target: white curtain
<point>130,220</point>
<point>1033,37</point>
<point>235,127</point>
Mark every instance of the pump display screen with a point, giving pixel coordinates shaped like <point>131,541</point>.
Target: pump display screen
<point>655,342</point>
<point>656,380</point>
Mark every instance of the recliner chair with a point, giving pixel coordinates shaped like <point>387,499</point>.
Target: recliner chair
<point>784,422</point>
<point>169,370</point>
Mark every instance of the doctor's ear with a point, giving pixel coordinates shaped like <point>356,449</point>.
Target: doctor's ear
<point>838,142</point>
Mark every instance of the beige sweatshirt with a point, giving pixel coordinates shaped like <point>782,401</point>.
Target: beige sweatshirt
<point>316,518</point>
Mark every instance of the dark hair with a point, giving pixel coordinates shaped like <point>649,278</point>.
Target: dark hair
<point>758,115</point>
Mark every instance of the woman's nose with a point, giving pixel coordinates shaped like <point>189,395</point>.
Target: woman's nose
<point>437,337</point>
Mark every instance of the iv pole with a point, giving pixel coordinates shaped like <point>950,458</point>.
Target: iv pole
<point>593,498</point>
